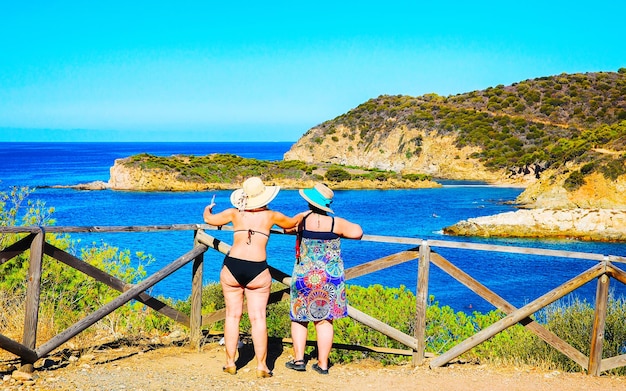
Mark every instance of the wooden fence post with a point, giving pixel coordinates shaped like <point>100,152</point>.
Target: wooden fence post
<point>423,268</point>
<point>599,321</point>
<point>195,322</point>
<point>33,290</point>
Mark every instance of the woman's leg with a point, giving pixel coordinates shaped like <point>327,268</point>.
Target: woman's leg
<point>257,293</point>
<point>325,332</point>
<point>233,298</point>
<point>299,332</point>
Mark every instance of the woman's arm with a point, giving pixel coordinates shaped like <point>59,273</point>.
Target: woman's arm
<point>347,229</point>
<point>224,217</point>
<point>285,222</point>
<point>294,229</point>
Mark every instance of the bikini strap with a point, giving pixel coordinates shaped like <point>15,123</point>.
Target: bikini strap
<point>250,233</point>
<point>303,224</point>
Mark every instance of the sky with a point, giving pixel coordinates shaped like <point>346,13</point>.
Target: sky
<point>269,71</point>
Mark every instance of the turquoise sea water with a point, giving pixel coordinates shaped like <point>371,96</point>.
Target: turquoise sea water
<point>418,213</point>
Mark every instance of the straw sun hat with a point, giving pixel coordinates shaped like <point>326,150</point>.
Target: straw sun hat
<point>253,194</point>
<point>319,196</point>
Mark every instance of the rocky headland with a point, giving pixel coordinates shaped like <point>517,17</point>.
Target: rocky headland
<point>562,138</point>
<point>131,177</point>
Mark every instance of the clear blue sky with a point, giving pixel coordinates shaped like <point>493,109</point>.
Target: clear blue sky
<point>268,71</point>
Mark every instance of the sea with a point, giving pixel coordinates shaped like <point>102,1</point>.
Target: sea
<point>419,213</point>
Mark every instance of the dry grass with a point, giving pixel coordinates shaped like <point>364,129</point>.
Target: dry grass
<point>12,313</point>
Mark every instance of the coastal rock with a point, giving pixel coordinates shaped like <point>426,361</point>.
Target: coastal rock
<point>596,192</point>
<point>95,185</point>
<point>582,224</point>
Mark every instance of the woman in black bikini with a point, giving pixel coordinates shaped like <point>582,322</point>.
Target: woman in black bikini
<point>245,272</point>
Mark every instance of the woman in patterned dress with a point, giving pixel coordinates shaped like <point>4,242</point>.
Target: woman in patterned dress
<point>318,292</point>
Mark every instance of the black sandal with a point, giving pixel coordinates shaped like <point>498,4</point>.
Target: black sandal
<point>319,370</point>
<point>296,365</point>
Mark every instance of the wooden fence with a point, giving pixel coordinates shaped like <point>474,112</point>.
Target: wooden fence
<point>33,239</point>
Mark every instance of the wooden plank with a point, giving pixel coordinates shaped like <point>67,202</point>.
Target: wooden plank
<point>211,242</point>
<point>392,239</point>
<point>85,268</point>
<point>33,290</point>
<point>18,230</point>
<point>486,247</point>
<point>362,348</point>
<point>277,296</point>
<point>195,320</point>
<point>599,321</point>
<point>616,273</point>
<point>518,315</point>
<point>214,317</point>
<point>120,228</point>
<point>26,354</point>
<point>372,238</point>
<point>382,327</point>
<point>504,306</point>
<point>122,299</point>
<point>421,303</point>
<point>613,362</point>
<point>115,283</point>
<point>16,248</point>
<point>381,263</point>
<point>517,250</point>
<point>615,258</point>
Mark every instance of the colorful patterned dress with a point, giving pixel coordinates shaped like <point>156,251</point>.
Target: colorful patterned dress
<point>318,288</point>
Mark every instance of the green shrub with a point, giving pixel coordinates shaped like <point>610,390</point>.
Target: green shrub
<point>67,294</point>
<point>337,175</point>
<point>416,177</point>
<point>614,168</point>
<point>574,181</point>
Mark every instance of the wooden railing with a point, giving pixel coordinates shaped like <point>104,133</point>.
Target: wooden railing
<point>603,270</point>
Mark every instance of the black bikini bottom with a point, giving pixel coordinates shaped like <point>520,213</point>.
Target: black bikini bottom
<point>244,271</point>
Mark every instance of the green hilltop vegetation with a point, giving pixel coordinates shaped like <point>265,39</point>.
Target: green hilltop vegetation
<point>579,118</point>
<point>229,168</point>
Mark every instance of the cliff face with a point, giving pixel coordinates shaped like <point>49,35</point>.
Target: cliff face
<point>424,152</point>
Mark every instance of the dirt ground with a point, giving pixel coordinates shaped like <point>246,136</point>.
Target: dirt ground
<point>179,368</point>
